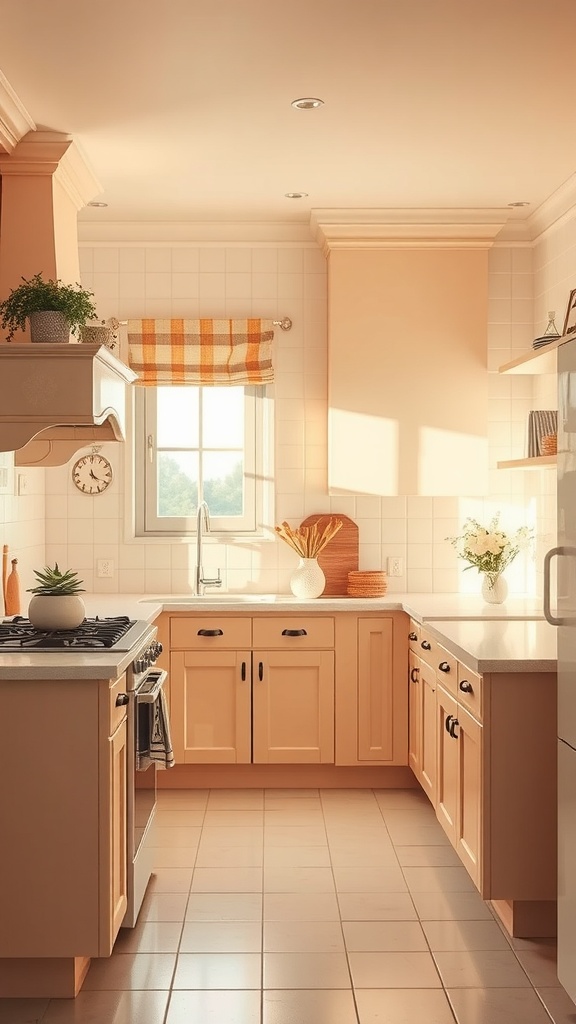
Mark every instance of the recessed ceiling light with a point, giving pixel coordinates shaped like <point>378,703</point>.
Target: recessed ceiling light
<point>307,103</point>
<point>295,195</point>
<point>519,204</point>
<point>97,204</point>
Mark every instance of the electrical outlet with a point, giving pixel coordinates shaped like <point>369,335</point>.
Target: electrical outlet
<point>21,484</point>
<point>395,566</point>
<point>105,568</point>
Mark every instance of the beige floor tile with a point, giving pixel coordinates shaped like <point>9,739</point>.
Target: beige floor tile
<point>294,835</point>
<point>143,1007</point>
<point>455,906</point>
<point>363,835</point>
<point>164,907</point>
<point>558,1003</point>
<point>348,796</point>
<point>227,880</point>
<point>540,966</point>
<point>228,906</point>
<point>193,799</point>
<point>443,879</point>
<point>427,856</point>
<point>219,937</point>
<point>291,794</point>
<point>174,857</point>
<point>306,970</point>
<point>393,970</point>
<point>305,816</point>
<point>209,1007</point>
<point>218,970</point>
<point>403,1006</point>
<point>241,835</point>
<point>370,879</point>
<point>481,968</point>
<point>450,936</point>
<point>232,818</point>
<point>384,937</point>
<point>341,817</point>
<point>400,798</point>
<point>170,880</point>
<point>180,817</point>
<point>497,1006</point>
<point>295,906</point>
<point>235,799</point>
<point>376,906</point>
<point>398,817</point>
<point>303,937</point>
<point>311,805</point>
<point>131,971</point>
<point>24,1011</point>
<point>230,856</point>
<point>320,1006</point>
<point>352,855</point>
<point>418,835</point>
<point>172,835</point>
<point>298,879</point>
<point>297,856</point>
<point>149,937</point>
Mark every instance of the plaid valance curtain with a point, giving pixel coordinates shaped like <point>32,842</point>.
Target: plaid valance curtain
<point>182,351</point>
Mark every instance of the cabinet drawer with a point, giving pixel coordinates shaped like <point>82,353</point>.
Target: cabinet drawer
<point>210,632</point>
<point>446,668</point>
<point>414,637</point>
<point>117,711</point>
<point>427,647</point>
<point>470,690</point>
<point>296,632</point>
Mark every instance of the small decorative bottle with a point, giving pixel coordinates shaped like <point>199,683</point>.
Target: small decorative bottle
<point>12,597</point>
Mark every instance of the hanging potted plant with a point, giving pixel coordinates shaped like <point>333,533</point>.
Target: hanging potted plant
<point>56,604</point>
<point>54,309</point>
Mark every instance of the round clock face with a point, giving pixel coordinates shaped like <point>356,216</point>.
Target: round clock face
<point>92,474</point>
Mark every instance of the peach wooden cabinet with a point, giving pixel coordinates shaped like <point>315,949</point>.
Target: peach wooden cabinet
<point>63,872</point>
<point>249,689</point>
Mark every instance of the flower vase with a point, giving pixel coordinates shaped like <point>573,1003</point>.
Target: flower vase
<point>494,588</point>
<point>307,580</point>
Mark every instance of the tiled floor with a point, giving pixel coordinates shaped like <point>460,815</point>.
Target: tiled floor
<point>308,907</point>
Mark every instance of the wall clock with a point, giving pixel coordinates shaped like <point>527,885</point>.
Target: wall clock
<point>92,474</point>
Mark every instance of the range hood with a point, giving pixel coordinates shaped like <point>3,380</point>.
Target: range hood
<point>56,399</point>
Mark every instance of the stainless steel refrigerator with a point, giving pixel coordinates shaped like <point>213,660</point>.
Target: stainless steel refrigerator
<point>563,560</point>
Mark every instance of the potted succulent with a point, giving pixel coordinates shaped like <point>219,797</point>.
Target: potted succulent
<point>56,604</point>
<point>53,308</point>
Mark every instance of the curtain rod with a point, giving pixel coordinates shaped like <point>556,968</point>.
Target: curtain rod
<point>285,323</point>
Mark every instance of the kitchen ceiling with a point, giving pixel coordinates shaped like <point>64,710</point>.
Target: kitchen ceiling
<point>183,109</point>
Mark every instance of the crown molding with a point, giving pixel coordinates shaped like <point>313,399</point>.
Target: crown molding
<point>200,232</point>
<point>15,121</point>
<point>386,229</point>
<point>555,209</point>
<point>53,154</point>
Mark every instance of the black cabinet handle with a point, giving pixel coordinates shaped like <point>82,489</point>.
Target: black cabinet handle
<point>466,687</point>
<point>260,671</point>
<point>448,723</point>
<point>294,632</point>
<point>444,666</point>
<point>122,699</point>
<point>412,636</point>
<point>243,672</point>
<point>414,674</point>
<point>210,632</point>
<point>426,645</point>
<point>452,729</point>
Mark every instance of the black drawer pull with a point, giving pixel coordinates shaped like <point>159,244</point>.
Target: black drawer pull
<point>122,699</point>
<point>243,673</point>
<point>412,636</point>
<point>466,687</point>
<point>452,729</point>
<point>210,632</point>
<point>294,632</point>
<point>414,674</point>
<point>260,671</point>
<point>426,645</point>
<point>448,723</point>
<point>444,666</point>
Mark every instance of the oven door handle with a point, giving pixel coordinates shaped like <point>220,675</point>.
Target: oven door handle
<point>144,696</point>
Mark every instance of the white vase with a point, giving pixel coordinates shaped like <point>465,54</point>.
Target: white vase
<point>494,589</point>
<point>307,580</point>
<point>51,611</point>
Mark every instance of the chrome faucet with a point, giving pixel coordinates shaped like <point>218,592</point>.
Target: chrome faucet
<point>203,523</point>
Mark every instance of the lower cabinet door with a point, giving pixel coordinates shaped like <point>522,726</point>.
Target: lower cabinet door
<point>448,764</point>
<point>113,854</point>
<point>429,734</point>
<point>414,714</point>
<point>468,832</point>
<point>210,712</point>
<point>293,707</point>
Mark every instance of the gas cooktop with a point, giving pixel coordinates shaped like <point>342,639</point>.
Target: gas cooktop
<point>113,634</point>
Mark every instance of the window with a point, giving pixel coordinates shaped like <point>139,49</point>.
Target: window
<point>199,444</point>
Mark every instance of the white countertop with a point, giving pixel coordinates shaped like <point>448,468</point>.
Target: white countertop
<point>487,638</point>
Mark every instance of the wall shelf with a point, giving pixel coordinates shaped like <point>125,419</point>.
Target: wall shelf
<point>537,462</point>
<point>540,360</point>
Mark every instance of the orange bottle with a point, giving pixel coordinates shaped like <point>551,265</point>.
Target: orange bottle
<point>12,596</point>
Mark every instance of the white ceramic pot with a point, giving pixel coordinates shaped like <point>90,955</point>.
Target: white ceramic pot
<point>50,611</point>
<point>307,580</point>
<point>494,589</point>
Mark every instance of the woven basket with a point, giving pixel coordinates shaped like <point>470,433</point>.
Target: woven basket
<point>549,444</point>
<point>50,327</point>
<point>367,583</point>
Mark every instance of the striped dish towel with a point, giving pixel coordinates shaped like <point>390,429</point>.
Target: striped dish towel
<point>179,351</point>
<point>541,422</point>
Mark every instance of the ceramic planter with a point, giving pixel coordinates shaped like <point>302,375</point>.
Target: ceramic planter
<point>51,611</point>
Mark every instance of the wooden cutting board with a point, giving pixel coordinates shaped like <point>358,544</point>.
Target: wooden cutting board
<point>340,556</point>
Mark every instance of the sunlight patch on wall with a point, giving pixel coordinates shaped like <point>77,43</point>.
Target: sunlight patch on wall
<point>363,453</point>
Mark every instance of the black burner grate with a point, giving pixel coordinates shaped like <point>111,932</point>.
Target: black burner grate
<point>92,634</point>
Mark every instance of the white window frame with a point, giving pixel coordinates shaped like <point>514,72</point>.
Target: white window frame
<point>258,472</point>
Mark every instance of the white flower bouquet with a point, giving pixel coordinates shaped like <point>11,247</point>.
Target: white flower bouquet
<point>489,549</point>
